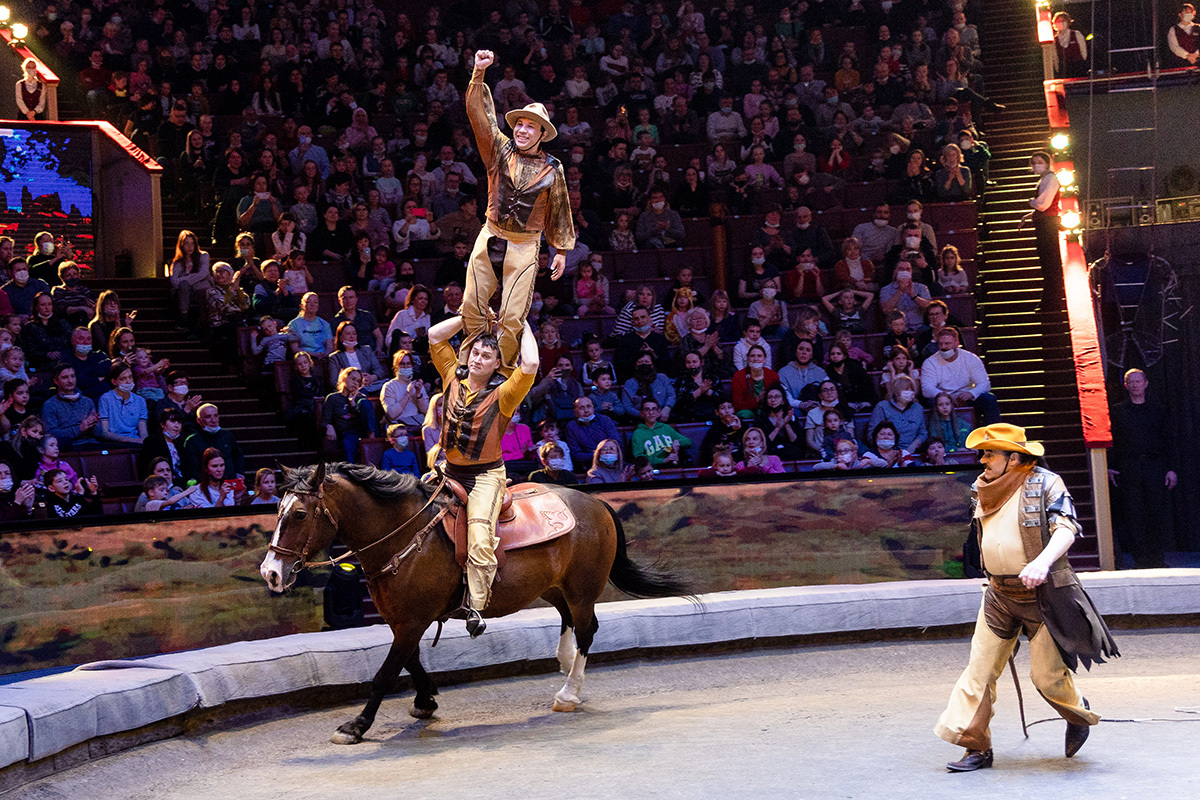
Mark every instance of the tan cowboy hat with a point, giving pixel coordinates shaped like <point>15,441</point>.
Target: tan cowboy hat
<point>1002,436</point>
<point>536,112</point>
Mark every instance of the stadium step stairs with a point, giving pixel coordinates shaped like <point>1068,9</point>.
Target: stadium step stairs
<point>1028,354</point>
<point>256,423</point>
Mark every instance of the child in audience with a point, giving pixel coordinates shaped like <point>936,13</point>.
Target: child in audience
<point>12,365</point>
<point>950,274</point>
<point>58,501</point>
<point>157,490</point>
<point>399,458</point>
<point>306,387</point>
<point>932,452</point>
<point>593,364</point>
<point>604,399</point>
<point>383,270</point>
<point>622,239</point>
<point>834,429</point>
<point>845,457</point>
<point>148,375</point>
<point>898,334</point>
<point>264,488</point>
<point>48,451</point>
<point>643,155</point>
<point>899,363</point>
<point>276,345</point>
<point>722,464</point>
<point>591,290</point>
<point>847,308</point>
<point>395,295</point>
<point>946,424</point>
<point>296,276</point>
<point>549,432</point>
<point>845,339</point>
<point>751,337</point>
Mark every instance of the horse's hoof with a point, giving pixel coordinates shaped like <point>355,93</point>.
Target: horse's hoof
<point>421,713</point>
<point>341,737</point>
<point>562,705</point>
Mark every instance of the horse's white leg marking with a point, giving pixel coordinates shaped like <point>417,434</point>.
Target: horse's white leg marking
<point>566,651</point>
<point>568,696</point>
<point>272,568</point>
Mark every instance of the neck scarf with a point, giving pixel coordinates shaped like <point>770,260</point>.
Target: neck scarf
<point>994,494</point>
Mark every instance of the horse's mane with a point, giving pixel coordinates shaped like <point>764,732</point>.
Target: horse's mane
<point>380,484</point>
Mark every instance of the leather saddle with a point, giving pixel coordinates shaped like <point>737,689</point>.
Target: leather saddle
<point>529,514</point>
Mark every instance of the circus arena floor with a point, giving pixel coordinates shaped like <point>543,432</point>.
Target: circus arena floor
<point>849,721</point>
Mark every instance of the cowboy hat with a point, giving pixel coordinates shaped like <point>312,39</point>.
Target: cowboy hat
<point>1002,436</point>
<point>537,113</point>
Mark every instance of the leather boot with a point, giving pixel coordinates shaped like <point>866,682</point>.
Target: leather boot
<point>1077,734</point>
<point>973,760</point>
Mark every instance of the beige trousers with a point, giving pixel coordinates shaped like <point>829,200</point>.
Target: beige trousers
<point>967,718</point>
<point>483,509</point>
<point>516,294</point>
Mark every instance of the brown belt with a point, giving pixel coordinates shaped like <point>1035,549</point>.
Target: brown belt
<point>1011,587</point>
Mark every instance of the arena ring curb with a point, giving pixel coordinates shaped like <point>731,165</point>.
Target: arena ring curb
<point>53,722</point>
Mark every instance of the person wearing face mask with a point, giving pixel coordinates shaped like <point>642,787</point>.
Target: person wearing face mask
<point>210,434</point>
<point>648,382</point>
<point>906,295</point>
<point>23,287</point>
<point>43,264</point>
<point>659,226</point>
<point>977,156</point>
<point>587,432</point>
<point>1183,39</point>
<point>1045,228</point>
<point>885,452</point>
<point>770,311</point>
<point>404,398</point>
<point>165,443</point>
<point>877,237</point>
<point>903,412</point>
<point>961,374</point>
<point>16,501</point>
<point>122,414</point>
<point>725,126</point>
<point>1023,524</point>
<point>556,467</point>
<point>608,464</point>
<point>642,337</point>
<point>307,151</point>
<point>527,197</point>
<point>72,300</point>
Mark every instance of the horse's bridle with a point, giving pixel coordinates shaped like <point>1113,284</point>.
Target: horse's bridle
<point>301,556</point>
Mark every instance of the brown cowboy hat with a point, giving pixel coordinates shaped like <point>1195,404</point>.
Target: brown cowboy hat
<point>1002,436</point>
<point>536,112</point>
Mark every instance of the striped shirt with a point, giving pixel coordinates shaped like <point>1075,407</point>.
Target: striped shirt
<point>475,422</point>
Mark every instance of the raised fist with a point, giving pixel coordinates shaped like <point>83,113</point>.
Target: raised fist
<point>484,59</point>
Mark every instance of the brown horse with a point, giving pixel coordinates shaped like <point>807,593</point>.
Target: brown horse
<point>391,523</point>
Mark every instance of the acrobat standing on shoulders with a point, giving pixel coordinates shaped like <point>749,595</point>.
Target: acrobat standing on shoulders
<point>527,197</point>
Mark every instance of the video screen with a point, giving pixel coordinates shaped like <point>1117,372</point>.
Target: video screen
<point>46,185</point>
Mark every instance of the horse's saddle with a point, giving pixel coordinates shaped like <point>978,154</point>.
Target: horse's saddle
<point>529,514</point>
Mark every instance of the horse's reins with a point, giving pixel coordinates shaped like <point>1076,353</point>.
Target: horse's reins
<point>393,565</point>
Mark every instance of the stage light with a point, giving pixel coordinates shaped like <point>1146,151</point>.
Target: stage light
<point>1060,141</point>
<point>1070,220</point>
<point>19,32</point>
<point>1066,177</point>
<point>4,13</point>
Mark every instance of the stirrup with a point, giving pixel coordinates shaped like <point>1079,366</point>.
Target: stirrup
<point>475,624</point>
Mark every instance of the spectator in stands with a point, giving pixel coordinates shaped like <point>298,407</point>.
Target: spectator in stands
<point>22,450</point>
<point>647,381</point>
<point>227,306</point>
<point>191,277</point>
<point>259,211</point>
<point>877,237</point>
<point>559,390</point>
<point>641,336</point>
<point>587,432</point>
<point>807,235</point>
<point>404,398</point>
<point>608,464</point>
<point>725,126</point>
<point>905,295</point>
<point>22,288</point>
<point>854,271</point>
<point>680,125</point>
<point>61,500</point>
<point>945,423</point>
<point>215,489</point>
<point>843,457</point>
<point>72,300</point>
<point>556,468</point>
<point>725,431</point>
<point>47,449</point>
<point>398,458</point>
<point>14,406</point>
<point>855,387</point>
<point>606,399</point>
<point>122,414</point>
<point>804,281</point>
<point>69,415</point>
<point>755,458</point>
<point>348,417</point>
<point>953,183</point>
<point>211,435</point>
<point>1182,38</point>
<point>46,336</point>
<point>835,427</point>
<point>950,274</point>
<point>414,318</point>
<point>902,410</point>
<point>977,156</point>
<point>801,378</point>
<point>1046,228</point>
<point>659,226</point>
<point>724,320</point>
<point>551,347</point>
<point>307,151</point>
<point>932,453</point>
<point>15,503</point>
<point>785,434</point>
<point>159,492</point>
<point>847,308</point>
<point>591,288</point>
<point>884,451</point>
<point>658,441</point>
<point>165,443</point>
<point>960,373</point>
<point>348,353</point>
<point>147,375</point>
<point>265,488</point>
<point>304,387</point>
<point>750,383</point>
<point>47,255</point>
<point>697,392</point>
<point>937,316</point>
<point>316,335</point>
<point>332,241</point>
<point>760,274</point>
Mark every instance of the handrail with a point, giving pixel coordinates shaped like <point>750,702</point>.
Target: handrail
<point>45,74</point>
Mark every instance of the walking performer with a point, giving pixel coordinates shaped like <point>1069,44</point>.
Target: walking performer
<point>477,410</point>
<point>527,197</point>
<point>1025,522</point>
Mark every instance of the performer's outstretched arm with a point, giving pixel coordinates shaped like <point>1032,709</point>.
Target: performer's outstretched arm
<point>446,329</point>
<point>529,351</point>
<point>480,109</point>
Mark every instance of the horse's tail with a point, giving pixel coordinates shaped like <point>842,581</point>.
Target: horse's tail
<point>642,581</point>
